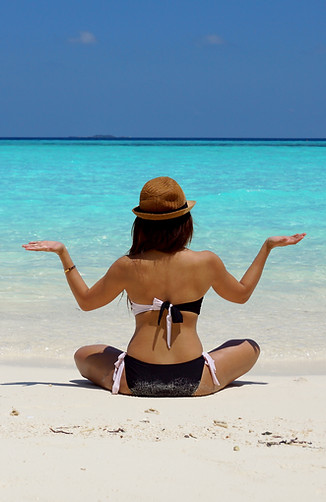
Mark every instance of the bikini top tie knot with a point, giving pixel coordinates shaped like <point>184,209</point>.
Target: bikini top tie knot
<point>172,310</point>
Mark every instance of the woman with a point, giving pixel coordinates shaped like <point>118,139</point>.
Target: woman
<point>165,282</point>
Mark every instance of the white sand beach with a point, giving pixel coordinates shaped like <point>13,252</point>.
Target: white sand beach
<point>63,439</point>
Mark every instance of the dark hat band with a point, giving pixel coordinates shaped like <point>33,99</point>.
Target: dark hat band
<point>173,213</point>
<point>185,205</point>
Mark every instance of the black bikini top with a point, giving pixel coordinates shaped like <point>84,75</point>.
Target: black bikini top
<point>184,307</point>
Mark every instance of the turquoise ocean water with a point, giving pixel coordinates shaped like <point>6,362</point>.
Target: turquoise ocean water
<point>81,192</point>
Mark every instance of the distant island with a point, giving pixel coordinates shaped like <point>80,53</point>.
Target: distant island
<point>103,136</point>
<point>96,136</point>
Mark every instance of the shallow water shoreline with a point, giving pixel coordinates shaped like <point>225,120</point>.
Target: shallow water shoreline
<point>289,330</point>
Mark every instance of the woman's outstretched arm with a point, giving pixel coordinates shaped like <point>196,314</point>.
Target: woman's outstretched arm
<point>103,291</point>
<point>240,291</point>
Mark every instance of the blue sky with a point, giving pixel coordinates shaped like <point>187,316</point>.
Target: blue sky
<point>181,68</point>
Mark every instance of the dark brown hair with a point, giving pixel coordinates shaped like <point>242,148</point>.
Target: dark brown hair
<point>168,236</point>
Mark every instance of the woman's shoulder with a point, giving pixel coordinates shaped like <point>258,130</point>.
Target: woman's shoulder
<point>206,262</point>
<point>120,265</point>
<point>203,256</point>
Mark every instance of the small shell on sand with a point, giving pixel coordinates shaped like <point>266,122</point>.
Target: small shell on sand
<point>220,423</point>
<point>14,412</point>
<point>152,410</point>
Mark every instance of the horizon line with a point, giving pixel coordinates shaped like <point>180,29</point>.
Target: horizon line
<point>170,138</point>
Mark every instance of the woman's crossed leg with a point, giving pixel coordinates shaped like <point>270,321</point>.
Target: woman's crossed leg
<point>232,359</point>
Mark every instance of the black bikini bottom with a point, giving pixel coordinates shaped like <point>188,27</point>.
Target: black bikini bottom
<point>163,380</point>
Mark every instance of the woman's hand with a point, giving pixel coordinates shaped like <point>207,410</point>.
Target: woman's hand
<point>273,242</point>
<point>47,246</point>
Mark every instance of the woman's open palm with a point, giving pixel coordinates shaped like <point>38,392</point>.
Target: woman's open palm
<point>284,240</point>
<point>47,246</point>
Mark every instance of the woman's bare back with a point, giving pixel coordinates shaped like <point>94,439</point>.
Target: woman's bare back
<point>177,278</point>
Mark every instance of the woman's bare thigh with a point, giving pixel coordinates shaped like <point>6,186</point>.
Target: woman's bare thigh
<point>96,362</point>
<point>232,360</point>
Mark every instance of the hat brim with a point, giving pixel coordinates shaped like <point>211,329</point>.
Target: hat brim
<point>164,216</point>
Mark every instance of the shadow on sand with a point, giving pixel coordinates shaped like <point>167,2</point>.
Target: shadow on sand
<point>86,384</point>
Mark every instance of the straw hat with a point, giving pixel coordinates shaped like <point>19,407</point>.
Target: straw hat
<point>162,199</point>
